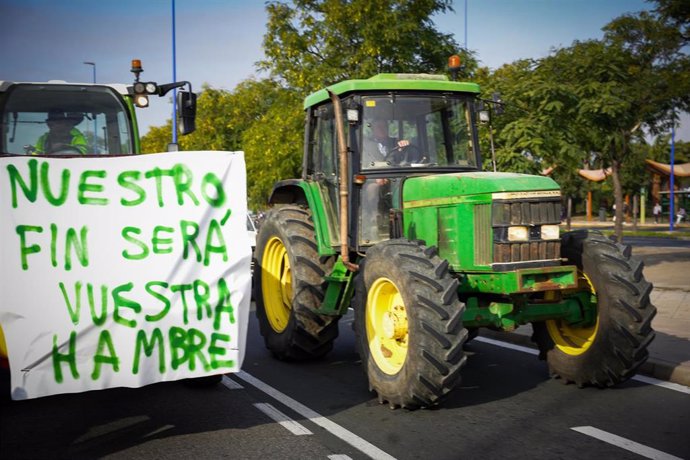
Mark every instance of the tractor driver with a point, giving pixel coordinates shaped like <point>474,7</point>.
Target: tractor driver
<point>379,146</point>
<point>62,135</point>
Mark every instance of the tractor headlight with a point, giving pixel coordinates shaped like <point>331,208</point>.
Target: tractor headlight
<point>550,232</point>
<point>352,115</point>
<point>151,88</point>
<point>141,100</point>
<point>518,234</point>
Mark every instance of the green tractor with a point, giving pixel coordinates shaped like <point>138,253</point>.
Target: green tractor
<point>394,218</point>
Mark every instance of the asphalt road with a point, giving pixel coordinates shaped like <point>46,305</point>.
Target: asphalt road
<point>506,407</point>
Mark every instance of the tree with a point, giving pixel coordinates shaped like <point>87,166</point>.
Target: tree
<point>591,102</point>
<point>659,68</point>
<point>315,43</point>
<point>157,139</point>
<point>222,117</point>
<point>273,146</point>
<point>675,13</point>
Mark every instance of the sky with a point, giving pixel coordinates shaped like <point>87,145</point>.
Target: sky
<point>218,42</point>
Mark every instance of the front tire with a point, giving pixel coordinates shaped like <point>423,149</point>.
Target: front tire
<point>613,346</point>
<point>289,285</point>
<point>408,323</point>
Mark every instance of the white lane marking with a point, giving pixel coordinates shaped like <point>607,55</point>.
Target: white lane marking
<point>284,421</point>
<point>624,443</point>
<point>335,429</point>
<point>640,378</point>
<point>498,343</point>
<point>231,384</point>
<point>339,457</point>
<point>661,383</point>
<point>159,430</point>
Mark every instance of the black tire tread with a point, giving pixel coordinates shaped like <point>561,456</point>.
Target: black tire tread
<point>435,355</point>
<point>308,335</point>
<point>625,314</point>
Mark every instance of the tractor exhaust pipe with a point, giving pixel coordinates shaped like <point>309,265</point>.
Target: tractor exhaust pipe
<point>343,189</point>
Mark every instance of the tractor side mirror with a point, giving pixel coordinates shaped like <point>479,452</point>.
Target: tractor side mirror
<point>186,109</point>
<point>498,103</point>
<point>481,111</point>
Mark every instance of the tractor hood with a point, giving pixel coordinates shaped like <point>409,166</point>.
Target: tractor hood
<point>445,189</point>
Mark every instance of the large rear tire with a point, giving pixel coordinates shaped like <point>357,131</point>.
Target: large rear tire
<point>611,348</point>
<point>289,285</point>
<point>408,323</point>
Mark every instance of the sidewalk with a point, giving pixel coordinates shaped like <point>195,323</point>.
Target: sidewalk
<point>668,268</point>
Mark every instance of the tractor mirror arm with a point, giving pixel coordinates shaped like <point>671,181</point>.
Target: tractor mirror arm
<point>166,88</point>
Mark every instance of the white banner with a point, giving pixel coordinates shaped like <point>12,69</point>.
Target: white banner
<point>122,271</point>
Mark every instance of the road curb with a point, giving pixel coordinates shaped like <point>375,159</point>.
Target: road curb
<point>657,368</point>
<point>666,287</point>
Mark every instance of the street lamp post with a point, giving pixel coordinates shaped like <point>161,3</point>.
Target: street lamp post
<point>174,75</point>
<point>672,210</point>
<point>93,65</point>
<point>95,126</point>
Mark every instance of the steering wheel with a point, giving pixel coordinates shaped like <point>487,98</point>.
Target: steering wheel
<point>407,154</point>
<point>65,149</point>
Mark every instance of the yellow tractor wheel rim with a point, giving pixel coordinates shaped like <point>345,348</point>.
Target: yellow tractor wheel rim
<point>387,328</point>
<point>3,345</point>
<point>570,339</point>
<point>276,284</point>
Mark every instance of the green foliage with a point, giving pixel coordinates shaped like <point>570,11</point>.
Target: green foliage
<point>675,13</point>
<point>157,139</point>
<point>590,104</point>
<point>273,146</point>
<point>314,43</point>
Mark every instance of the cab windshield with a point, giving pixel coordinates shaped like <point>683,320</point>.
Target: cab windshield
<point>64,120</point>
<point>418,131</point>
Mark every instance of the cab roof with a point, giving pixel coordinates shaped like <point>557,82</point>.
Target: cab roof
<point>5,85</point>
<point>393,81</point>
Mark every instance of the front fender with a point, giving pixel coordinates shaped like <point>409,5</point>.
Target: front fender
<point>306,193</point>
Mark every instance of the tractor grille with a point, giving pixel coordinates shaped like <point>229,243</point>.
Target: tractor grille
<point>526,252</point>
<point>482,238</point>
<point>525,212</point>
<point>531,213</point>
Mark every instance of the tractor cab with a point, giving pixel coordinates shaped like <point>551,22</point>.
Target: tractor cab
<point>393,131</point>
<point>98,114</point>
<point>60,118</point>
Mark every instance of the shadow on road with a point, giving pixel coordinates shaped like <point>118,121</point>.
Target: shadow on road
<point>98,423</point>
<point>158,419</point>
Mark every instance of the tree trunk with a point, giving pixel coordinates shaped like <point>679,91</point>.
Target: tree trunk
<point>618,197</point>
